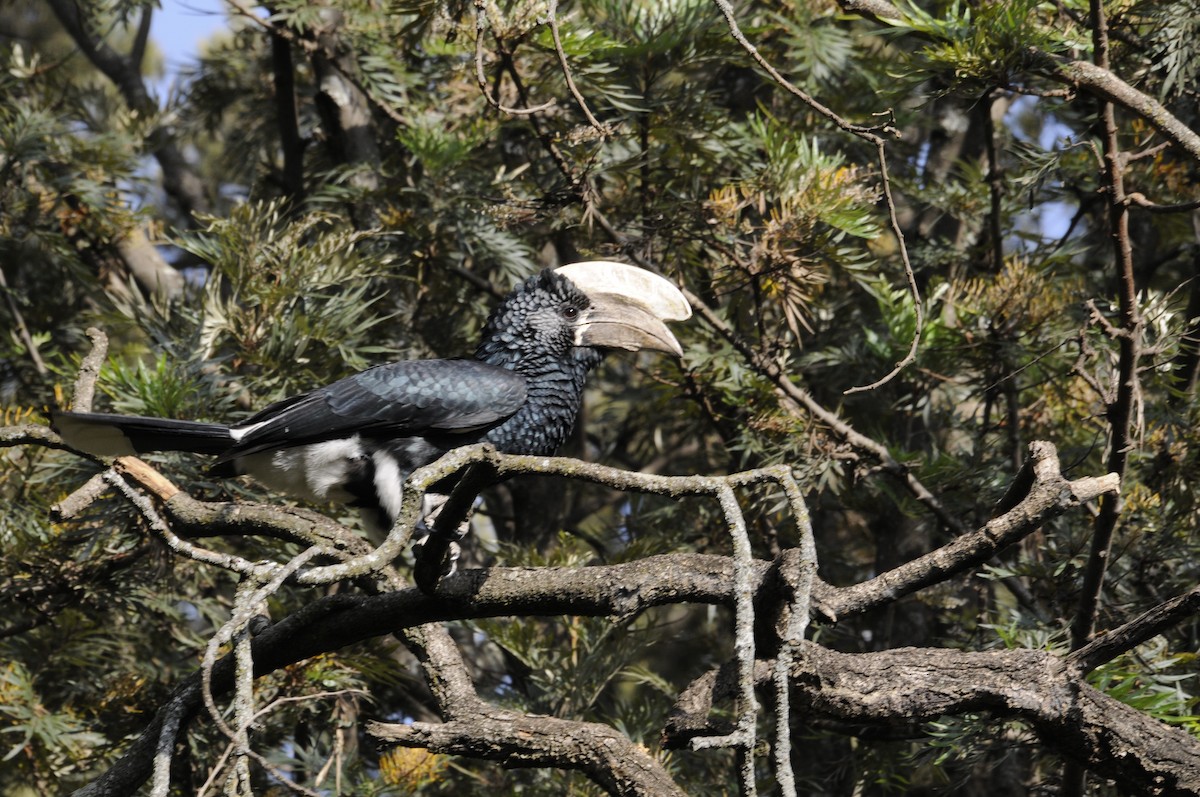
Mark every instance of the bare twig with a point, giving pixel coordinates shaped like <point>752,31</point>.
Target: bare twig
<point>243,695</point>
<point>1144,627</point>
<point>1129,340</point>
<point>1148,152</point>
<point>231,748</point>
<point>914,291</point>
<point>872,135</point>
<point>22,328</point>
<point>1140,201</point>
<point>89,371</point>
<point>481,25</point>
<point>173,720</point>
<point>868,133</point>
<point>552,19</point>
<point>743,736</point>
<point>795,625</point>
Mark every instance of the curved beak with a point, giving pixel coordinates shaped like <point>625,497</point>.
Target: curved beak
<point>630,307</point>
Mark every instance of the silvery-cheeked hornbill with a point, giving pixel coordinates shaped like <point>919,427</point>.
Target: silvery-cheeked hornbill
<point>356,440</point>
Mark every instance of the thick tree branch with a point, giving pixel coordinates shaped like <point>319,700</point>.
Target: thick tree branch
<point>1098,81</point>
<point>618,591</point>
<point>602,753</point>
<point>565,67</point>
<point>89,371</point>
<point>896,687</point>
<point>25,434</point>
<point>475,728</point>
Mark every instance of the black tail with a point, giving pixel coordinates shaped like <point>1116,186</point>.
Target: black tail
<point>118,435</point>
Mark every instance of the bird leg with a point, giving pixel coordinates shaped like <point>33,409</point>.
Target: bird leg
<point>437,554</point>
<point>446,550</point>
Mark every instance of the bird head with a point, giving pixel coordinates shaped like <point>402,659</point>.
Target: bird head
<point>592,305</point>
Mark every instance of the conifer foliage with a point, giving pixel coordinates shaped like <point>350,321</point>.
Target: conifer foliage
<point>917,512</point>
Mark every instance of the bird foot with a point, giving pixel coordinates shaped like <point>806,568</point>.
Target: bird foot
<point>449,550</point>
<point>435,557</point>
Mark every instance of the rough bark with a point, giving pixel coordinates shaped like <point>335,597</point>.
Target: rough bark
<point>904,686</point>
<point>604,754</point>
<point>345,111</point>
<point>907,685</point>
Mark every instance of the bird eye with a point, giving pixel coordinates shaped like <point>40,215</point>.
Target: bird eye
<point>570,313</point>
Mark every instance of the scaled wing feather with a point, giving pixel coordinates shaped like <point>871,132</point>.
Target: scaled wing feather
<point>403,399</point>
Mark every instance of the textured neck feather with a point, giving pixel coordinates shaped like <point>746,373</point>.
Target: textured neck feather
<point>555,394</point>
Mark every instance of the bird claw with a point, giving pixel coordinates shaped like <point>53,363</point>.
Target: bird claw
<point>450,552</point>
<point>450,560</point>
<point>435,557</point>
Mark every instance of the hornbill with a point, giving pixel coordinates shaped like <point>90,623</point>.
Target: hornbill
<point>356,440</point>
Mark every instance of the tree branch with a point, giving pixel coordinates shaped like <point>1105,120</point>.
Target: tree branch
<point>1049,496</point>
<point>178,178</point>
<point>620,591</point>
<point>896,687</point>
<point>475,728</point>
<point>89,371</point>
<point>1094,79</point>
<point>1148,625</point>
<point>1127,390</point>
<point>602,753</point>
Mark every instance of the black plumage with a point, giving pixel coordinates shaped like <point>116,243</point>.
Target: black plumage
<point>355,440</point>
